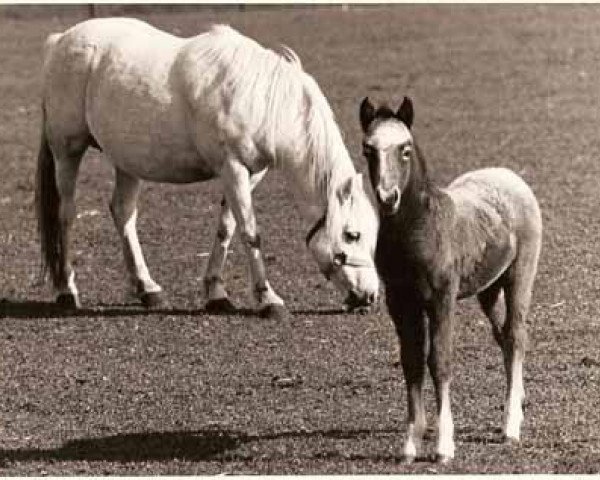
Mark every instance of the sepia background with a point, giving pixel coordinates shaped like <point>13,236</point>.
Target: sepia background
<point>116,389</point>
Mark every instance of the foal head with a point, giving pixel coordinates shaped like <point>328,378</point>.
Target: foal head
<point>343,243</point>
<point>389,148</point>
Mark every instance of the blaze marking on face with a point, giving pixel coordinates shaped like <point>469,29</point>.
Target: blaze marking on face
<point>389,134</point>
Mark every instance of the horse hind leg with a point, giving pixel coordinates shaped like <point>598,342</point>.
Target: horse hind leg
<point>123,207</point>
<point>58,167</point>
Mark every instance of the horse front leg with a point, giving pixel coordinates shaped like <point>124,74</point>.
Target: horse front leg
<point>411,330</point>
<point>123,207</point>
<point>238,194</point>
<point>441,319</point>
<point>214,285</point>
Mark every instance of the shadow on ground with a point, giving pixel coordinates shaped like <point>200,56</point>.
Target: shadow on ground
<point>40,309</point>
<point>195,446</point>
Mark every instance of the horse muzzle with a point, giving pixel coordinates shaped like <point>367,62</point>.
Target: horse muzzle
<point>388,200</point>
<point>355,302</point>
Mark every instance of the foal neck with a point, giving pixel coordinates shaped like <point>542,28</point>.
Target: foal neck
<point>420,188</point>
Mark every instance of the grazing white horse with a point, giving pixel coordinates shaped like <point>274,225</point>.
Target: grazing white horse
<point>168,109</point>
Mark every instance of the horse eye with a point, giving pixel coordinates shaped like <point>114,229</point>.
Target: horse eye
<point>350,237</point>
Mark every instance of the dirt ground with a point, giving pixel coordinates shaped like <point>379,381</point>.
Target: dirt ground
<point>118,390</point>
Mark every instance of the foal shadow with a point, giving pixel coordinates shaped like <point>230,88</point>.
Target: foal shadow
<point>194,446</point>
<point>40,309</point>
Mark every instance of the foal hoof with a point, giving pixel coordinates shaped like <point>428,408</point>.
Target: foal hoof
<point>220,306</point>
<point>442,459</point>
<point>68,301</point>
<point>274,311</point>
<point>510,441</point>
<point>152,299</point>
<point>408,459</point>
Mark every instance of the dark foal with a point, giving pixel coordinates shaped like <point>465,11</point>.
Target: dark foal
<point>479,236</point>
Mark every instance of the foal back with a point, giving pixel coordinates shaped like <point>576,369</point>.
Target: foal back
<point>498,225</point>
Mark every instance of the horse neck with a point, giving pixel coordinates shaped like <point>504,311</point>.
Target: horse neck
<point>324,165</point>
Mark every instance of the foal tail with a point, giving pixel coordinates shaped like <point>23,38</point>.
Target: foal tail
<point>47,203</point>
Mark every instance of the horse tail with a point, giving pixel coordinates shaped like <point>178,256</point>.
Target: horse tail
<point>47,201</point>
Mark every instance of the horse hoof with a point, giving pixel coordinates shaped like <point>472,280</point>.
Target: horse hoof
<point>152,299</point>
<point>68,301</point>
<point>274,311</point>
<point>220,305</point>
<point>442,459</point>
<point>408,459</point>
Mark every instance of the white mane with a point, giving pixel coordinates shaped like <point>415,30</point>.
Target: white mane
<point>281,104</point>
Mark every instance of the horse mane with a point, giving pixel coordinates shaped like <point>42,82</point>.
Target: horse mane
<point>282,103</point>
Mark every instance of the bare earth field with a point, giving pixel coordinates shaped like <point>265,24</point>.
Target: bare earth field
<point>118,390</point>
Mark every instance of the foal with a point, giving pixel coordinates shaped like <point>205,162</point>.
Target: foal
<point>479,236</point>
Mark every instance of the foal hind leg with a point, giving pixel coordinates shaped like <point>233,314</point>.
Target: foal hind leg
<point>493,305</point>
<point>518,297</point>
<point>123,207</point>
<point>214,286</point>
<point>237,184</point>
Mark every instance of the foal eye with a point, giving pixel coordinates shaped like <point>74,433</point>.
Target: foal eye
<point>350,237</point>
<point>405,153</point>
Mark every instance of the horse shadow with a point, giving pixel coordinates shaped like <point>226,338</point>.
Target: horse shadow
<point>40,309</point>
<point>10,308</point>
<point>193,446</point>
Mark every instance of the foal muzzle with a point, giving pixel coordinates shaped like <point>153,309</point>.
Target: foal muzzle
<point>388,200</point>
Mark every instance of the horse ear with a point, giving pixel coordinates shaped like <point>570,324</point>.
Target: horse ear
<point>406,112</point>
<point>345,189</point>
<point>367,114</point>
<point>358,181</point>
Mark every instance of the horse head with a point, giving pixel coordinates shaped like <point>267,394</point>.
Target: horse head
<point>389,148</point>
<point>343,243</point>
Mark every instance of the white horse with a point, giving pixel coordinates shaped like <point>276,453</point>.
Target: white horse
<point>168,109</point>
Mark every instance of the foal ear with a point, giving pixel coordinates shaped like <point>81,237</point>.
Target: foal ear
<point>367,114</point>
<point>406,112</point>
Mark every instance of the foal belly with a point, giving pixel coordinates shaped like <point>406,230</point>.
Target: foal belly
<point>495,258</point>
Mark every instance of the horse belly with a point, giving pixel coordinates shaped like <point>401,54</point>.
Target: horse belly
<point>495,258</point>
<point>142,125</point>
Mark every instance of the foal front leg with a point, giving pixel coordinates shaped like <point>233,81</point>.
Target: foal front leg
<point>413,351</point>
<point>237,186</point>
<point>123,207</point>
<point>441,319</point>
